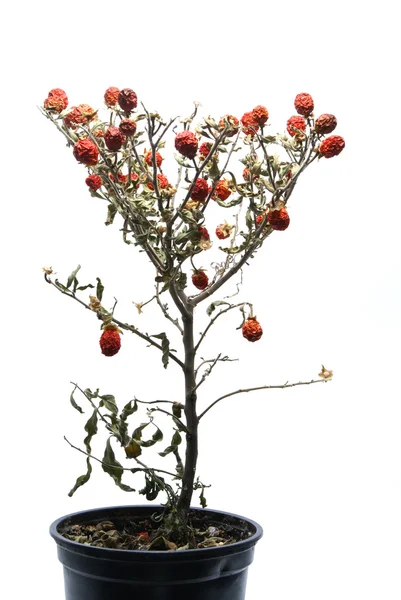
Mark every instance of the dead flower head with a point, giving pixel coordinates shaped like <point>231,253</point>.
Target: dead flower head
<point>326,374</point>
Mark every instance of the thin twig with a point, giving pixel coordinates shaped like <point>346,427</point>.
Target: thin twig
<point>262,387</point>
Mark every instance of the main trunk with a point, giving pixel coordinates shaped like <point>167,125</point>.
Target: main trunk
<point>191,454</point>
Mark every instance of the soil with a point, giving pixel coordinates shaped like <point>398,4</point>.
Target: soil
<point>145,534</point>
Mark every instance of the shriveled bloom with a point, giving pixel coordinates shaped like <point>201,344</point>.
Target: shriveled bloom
<point>111,96</point>
<point>94,182</point>
<point>110,342</point>
<point>223,231</point>
<point>162,182</point>
<point>304,104</point>
<point>128,127</point>
<point>332,146</point>
<point>222,190</point>
<point>231,122</point>
<point>204,149</point>
<point>200,279</point>
<point>47,270</point>
<point>86,152</point>
<point>295,122</point>
<point>186,143</point>
<point>248,176</point>
<point>127,99</point>
<point>149,160</point>
<point>79,115</point>
<point>325,374</point>
<point>249,125</point>
<point>94,303</point>
<point>260,115</point>
<point>325,124</point>
<point>114,138</point>
<point>252,330</point>
<point>204,238</point>
<point>56,100</point>
<point>200,190</point>
<point>278,218</point>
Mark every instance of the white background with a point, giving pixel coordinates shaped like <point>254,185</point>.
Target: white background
<point>319,467</point>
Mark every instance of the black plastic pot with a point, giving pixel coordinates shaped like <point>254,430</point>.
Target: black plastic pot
<point>92,573</point>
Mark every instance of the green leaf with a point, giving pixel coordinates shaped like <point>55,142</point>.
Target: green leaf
<point>82,479</point>
<point>110,403</point>
<point>74,404</point>
<point>213,306</point>
<point>91,430</point>
<point>73,276</point>
<point>175,442</point>
<point>137,435</point>
<point>111,466</point>
<point>99,289</point>
<point>226,204</point>
<point>181,161</point>
<point>156,437</point>
<point>111,213</point>
<point>165,347</point>
<point>84,287</point>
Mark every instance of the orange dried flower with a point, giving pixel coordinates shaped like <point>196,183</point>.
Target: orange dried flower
<point>260,115</point>
<point>111,96</point>
<point>163,182</point>
<point>304,104</point>
<point>56,100</point>
<point>83,113</point>
<point>252,330</point>
<point>232,121</point>
<point>186,143</point>
<point>223,231</point>
<point>247,175</point>
<point>222,191</point>
<point>148,159</point>
<point>86,152</point>
<point>249,125</point>
<point>325,124</point>
<point>295,122</point>
<point>332,146</point>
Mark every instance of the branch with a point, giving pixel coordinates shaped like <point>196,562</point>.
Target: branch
<point>262,387</point>
<point>125,326</point>
<point>212,321</point>
<point>164,310</point>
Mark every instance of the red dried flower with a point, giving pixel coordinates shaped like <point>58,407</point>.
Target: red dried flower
<point>278,218</point>
<point>200,279</point>
<point>110,342</point>
<point>260,115</point>
<point>249,125</point>
<point>163,182</point>
<point>205,149</point>
<point>98,133</point>
<point>114,138</point>
<point>223,231</point>
<point>86,152</point>
<point>325,124</point>
<point>128,127</point>
<point>222,191</point>
<point>83,113</point>
<point>186,143</point>
<point>111,96</point>
<point>148,159</point>
<point>252,330</point>
<point>204,233</point>
<point>298,123</point>
<point>56,100</point>
<point>332,146</point>
<point>304,104</point>
<point>200,190</point>
<point>247,175</point>
<point>127,99</point>
<point>94,182</point>
<point>234,124</point>
<point>259,219</point>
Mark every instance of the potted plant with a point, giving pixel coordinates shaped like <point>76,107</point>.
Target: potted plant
<point>173,550</point>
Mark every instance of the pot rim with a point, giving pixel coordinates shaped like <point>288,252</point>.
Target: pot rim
<point>180,555</point>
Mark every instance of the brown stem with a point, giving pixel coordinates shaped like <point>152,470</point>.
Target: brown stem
<point>191,454</point>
